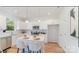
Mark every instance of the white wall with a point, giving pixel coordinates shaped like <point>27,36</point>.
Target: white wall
<point>69,43</point>
<point>2,22</point>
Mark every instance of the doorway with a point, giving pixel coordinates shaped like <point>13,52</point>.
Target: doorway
<point>53,31</point>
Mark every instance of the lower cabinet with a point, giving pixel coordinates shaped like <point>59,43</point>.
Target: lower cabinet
<point>5,42</point>
<point>8,42</point>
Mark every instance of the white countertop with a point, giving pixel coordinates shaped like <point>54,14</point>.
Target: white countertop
<point>6,34</point>
<point>32,36</point>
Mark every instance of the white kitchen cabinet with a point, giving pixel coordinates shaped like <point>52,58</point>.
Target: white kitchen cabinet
<point>5,42</point>
<point>8,42</point>
<point>2,22</point>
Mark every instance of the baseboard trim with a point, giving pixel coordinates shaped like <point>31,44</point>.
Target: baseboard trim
<point>52,42</point>
<point>62,47</point>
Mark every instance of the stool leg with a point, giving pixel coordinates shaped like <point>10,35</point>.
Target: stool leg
<point>37,51</point>
<point>40,51</point>
<point>28,49</point>
<point>23,50</point>
<point>33,51</point>
<point>18,50</point>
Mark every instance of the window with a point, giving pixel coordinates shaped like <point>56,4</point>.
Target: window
<point>9,24</point>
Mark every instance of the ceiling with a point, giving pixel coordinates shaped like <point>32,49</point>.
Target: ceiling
<point>32,13</point>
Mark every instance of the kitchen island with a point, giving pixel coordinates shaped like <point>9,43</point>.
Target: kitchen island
<point>37,41</point>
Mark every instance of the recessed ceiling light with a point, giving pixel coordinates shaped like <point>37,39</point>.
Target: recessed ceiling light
<point>26,21</point>
<point>38,20</point>
<point>49,13</point>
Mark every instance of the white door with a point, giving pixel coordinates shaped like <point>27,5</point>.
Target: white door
<point>53,33</point>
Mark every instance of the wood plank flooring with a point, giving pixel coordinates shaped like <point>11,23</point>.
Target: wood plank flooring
<point>51,47</point>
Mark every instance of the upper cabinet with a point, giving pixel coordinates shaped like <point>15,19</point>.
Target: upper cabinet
<point>43,25</point>
<point>19,25</point>
<point>2,22</point>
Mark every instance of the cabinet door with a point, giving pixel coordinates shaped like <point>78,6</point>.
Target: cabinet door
<point>8,42</point>
<point>3,43</point>
<point>0,43</point>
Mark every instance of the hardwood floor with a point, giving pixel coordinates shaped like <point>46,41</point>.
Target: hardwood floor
<point>51,47</point>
